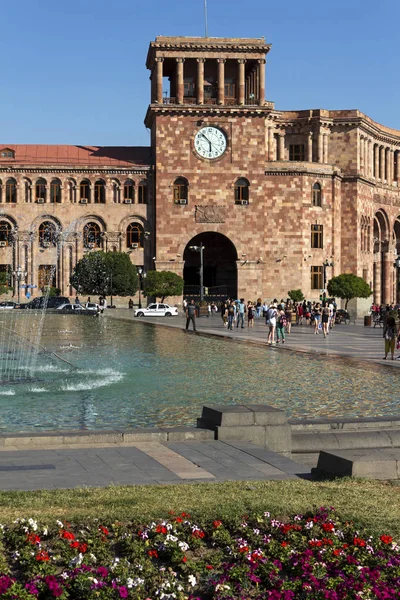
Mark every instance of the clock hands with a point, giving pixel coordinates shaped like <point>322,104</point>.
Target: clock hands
<point>207,140</point>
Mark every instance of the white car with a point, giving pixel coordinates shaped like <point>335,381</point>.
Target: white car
<point>7,305</point>
<point>87,307</point>
<point>157,310</point>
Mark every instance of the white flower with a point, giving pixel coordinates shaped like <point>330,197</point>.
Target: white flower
<point>309,525</point>
<point>45,531</point>
<point>192,580</point>
<point>256,531</point>
<point>183,546</point>
<point>33,524</point>
<point>92,556</point>
<point>267,514</point>
<point>298,518</point>
<point>77,561</point>
<point>221,586</point>
<point>171,538</point>
<point>59,523</point>
<point>65,575</point>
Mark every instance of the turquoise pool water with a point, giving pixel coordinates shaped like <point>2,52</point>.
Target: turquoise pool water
<point>99,373</point>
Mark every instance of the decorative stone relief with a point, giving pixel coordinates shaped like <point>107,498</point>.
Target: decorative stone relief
<point>210,214</point>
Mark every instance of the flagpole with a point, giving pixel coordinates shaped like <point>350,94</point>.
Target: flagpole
<point>205,18</point>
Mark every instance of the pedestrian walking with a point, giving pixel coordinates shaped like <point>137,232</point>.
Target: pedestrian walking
<point>241,311</point>
<point>224,314</point>
<point>325,319</point>
<point>231,315</point>
<point>317,317</point>
<point>390,336</point>
<point>191,315</point>
<point>250,314</point>
<point>280,325</point>
<point>270,320</point>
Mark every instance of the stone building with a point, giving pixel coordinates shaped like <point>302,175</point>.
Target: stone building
<point>274,200</point>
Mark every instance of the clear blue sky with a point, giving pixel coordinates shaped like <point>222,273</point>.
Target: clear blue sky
<point>73,71</point>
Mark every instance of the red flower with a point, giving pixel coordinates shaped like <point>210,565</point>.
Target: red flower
<point>184,559</point>
<point>244,549</point>
<point>74,545</point>
<point>386,539</point>
<point>284,544</point>
<point>327,542</point>
<point>359,542</point>
<point>42,556</point>
<point>32,538</point>
<point>103,530</point>
<point>178,520</point>
<point>162,529</point>
<point>328,527</point>
<point>83,548</point>
<point>210,567</point>
<point>153,553</point>
<point>198,533</point>
<point>217,524</point>
<point>337,552</point>
<point>67,535</point>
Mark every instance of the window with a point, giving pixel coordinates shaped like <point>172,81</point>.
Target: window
<point>134,235</point>
<point>365,275</point>
<point>40,190</point>
<point>316,278</point>
<point>296,152</point>
<point>47,234</point>
<point>55,191</point>
<point>11,190</point>
<point>316,195</point>
<point>129,191</point>
<point>242,191</point>
<point>46,276</point>
<point>142,192</point>
<point>91,236</point>
<point>6,153</point>
<point>99,192</point>
<point>230,88</point>
<point>180,191</point>
<point>84,191</point>
<point>5,233</point>
<point>317,236</point>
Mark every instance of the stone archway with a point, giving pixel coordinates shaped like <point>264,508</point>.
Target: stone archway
<point>219,266</point>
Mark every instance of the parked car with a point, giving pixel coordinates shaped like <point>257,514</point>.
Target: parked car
<point>52,302</point>
<point>88,308</point>
<point>157,310</point>
<point>8,305</point>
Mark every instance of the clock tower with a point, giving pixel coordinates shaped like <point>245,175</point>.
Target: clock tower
<point>210,138</point>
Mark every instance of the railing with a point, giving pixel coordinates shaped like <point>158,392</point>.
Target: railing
<point>214,101</point>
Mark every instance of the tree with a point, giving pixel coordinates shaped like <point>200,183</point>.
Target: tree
<point>296,295</point>
<point>348,286</point>
<point>161,284</point>
<point>105,273</point>
<point>4,289</point>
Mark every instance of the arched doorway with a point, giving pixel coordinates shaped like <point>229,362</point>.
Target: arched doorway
<point>219,266</point>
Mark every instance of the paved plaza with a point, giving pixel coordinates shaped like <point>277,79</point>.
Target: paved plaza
<point>25,464</point>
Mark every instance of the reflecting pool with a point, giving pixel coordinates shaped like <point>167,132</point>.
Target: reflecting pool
<point>99,373</point>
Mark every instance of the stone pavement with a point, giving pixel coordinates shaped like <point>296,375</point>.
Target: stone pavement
<point>352,341</point>
<point>142,463</point>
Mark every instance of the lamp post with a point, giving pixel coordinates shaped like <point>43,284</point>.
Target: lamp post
<point>201,250</point>
<point>142,275</point>
<point>19,275</point>
<point>325,264</point>
<point>111,290</point>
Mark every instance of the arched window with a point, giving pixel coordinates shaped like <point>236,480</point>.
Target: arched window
<point>11,190</point>
<point>91,236</point>
<point>40,191</point>
<point>134,235</point>
<point>242,191</point>
<point>180,191</point>
<point>47,234</point>
<point>142,192</point>
<point>100,192</point>
<point>5,233</point>
<point>84,191</point>
<point>116,192</point>
<point>55,191</point>
<point>129,192</point>
<point>316,195</point>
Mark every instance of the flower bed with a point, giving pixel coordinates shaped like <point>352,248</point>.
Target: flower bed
<point>316,555</point>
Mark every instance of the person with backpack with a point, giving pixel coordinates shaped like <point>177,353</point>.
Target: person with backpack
<point>270,319</point>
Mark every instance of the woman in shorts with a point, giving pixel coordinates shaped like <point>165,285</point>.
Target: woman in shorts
<point>325,319</point>
<point>317,317</point>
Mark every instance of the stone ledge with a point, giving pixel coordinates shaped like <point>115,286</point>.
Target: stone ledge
<point>309,442</point>
<point>241,415</point>
<point>337,424</point>
<point>376,464</point>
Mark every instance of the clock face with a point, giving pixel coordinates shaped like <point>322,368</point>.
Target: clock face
<point>210,142</point>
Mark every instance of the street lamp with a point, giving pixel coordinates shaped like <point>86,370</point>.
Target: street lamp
<point>19,275</point>
<point>200,249</point>
<point>325,264</point>
<point>142,275</point>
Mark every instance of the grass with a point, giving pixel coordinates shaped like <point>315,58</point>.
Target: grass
<point>372,504</point>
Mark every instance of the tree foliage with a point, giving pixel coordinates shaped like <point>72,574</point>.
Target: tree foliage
<point>348,286</point>
<point>162,284</point>
<point>105,273</point>
<point>296,295</point>
<point>4,289</point>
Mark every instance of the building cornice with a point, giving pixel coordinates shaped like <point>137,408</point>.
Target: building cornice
<point>207,110</point>
<point>17,169</point>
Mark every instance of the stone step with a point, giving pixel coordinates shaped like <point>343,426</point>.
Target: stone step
<point>371,464</point>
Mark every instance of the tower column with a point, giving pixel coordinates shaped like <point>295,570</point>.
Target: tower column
<point>261,79</point>
<point>326,136</point>
<point>221,80</point>
<point>376,162</point>
<point>179,80</point>
<point>241,63</point>
<point>319,148</point>
<point>387,271</point>
<point>398,168</point>
<point>382,163</point>
<point>159,80</point>
<point>200,80</point>
<point>271,144</point>
<point>281,146</point>
<point>390,166</point>
<point>309,146</point>
<point>377,278</point>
